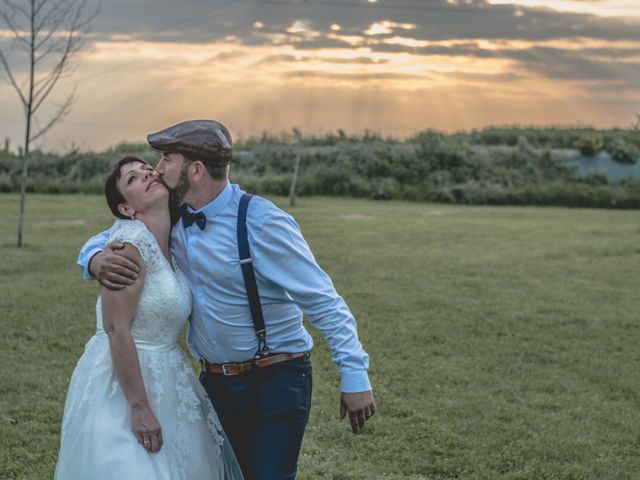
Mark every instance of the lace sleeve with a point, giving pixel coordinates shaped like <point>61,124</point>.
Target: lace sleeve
<point>136,233</point>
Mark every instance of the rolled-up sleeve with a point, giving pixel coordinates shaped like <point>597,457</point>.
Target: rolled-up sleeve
<point>93,246</point>
<point>281,254</point>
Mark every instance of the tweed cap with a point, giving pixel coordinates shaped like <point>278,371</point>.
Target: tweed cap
<point>205,140</point>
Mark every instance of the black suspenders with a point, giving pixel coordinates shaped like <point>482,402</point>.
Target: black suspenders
<point>249,277</point>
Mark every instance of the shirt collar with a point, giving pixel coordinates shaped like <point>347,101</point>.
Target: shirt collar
<point>215,206</point>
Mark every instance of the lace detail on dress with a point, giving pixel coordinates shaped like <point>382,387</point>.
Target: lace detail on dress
<point>156,386</point>
<point>214,425</point>
<point>114,388</point>
<point>95,362</point>
<point>193,406</point>
<point>137,234</point>
<point>96,369</point>
<point>182,446</point>
<point>165,302</point>
<point>189,402</point>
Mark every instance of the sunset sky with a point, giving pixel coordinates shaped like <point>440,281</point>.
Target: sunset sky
<point>393,66</point>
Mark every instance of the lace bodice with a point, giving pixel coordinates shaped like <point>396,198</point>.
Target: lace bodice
<point>165,302</point>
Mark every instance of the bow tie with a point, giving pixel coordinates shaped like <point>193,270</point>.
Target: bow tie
<point>190,218</point>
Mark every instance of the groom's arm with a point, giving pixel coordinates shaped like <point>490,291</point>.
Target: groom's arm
<point>108,263</point>
<point>282,255</point>
<point>92,247</point>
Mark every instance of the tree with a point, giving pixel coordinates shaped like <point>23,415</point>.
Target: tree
<point>47,33</point>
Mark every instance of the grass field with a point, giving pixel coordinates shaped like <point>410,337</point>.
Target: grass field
<point>504,342</point>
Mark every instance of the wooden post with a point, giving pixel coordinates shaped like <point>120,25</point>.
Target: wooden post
<point>292,191</point>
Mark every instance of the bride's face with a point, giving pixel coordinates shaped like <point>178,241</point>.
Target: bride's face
<point>141,187</point>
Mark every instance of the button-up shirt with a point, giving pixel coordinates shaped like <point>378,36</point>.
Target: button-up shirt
<point>289,281</point>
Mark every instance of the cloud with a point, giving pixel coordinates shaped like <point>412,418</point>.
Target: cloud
<point>517,39</point>
<point>287,58</point>
<point>607,8</point>
<point>229,55</point>
<point>574,65</point>
<point>487,77</point>
<point>354,76</point>
<point>199,21</point>
<point>386,27</point>
<point>397,65</point>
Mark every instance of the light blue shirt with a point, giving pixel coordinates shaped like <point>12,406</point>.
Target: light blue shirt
<point>289,280</point>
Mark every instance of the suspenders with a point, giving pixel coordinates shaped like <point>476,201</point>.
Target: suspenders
<point>248,274</point>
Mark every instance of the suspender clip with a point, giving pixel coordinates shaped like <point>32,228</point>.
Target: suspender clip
<point>263,349</point>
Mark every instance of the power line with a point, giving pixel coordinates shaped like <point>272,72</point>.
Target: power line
<point>207,13</point>
<point>215,9</point>
<point>332,3</point>
<point>185,21</point>
<point>425,8</point>
<point>202,15</point>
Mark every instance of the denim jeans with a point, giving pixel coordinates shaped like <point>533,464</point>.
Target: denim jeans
<point>264,413</point>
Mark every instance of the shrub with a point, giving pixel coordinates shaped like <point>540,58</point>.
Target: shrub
<point>624,152</point>
<point>589,144</point>
<point>597,178</point>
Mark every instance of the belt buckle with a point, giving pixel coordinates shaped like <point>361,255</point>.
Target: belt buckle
<point>225,372</point>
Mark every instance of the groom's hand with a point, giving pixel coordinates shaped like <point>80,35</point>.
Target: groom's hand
<point>112,268</point>
<point>360,407</point>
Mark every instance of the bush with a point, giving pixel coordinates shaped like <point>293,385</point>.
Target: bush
<point>589,144</point>
<point>624,152</point>
<point>597,178</point>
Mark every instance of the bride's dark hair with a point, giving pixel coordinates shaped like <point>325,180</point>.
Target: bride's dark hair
<point>114,197</point>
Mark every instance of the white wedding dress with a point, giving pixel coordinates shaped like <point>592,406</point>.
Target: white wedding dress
<point>97,440</point>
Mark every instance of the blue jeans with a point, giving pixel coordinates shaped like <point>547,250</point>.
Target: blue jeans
<point>264,414</point>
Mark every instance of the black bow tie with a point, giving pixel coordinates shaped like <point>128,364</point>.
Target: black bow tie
<point>188,218</point>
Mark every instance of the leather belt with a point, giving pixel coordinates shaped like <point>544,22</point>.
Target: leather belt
<point>228,369</point>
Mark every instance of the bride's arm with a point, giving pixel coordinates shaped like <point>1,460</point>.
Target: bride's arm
<point>118,311</point>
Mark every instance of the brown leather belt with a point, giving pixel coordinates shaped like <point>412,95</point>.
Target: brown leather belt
<point>240,368</point>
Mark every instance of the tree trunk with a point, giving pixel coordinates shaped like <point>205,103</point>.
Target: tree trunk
<point>23,183</point>
<point>27,135</point>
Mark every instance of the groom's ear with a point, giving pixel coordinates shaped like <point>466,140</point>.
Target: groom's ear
<point>198,170</point>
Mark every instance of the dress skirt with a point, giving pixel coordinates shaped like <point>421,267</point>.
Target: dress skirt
<point>97,440</point>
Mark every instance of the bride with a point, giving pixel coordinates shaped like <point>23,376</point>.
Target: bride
<point>135,408</point>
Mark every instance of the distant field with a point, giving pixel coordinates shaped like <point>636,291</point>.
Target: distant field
<point>504,342</point>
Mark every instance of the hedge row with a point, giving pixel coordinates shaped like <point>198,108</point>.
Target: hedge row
<point>432,167</point>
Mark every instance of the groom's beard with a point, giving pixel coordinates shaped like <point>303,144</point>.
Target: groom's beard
<point>177,194</point>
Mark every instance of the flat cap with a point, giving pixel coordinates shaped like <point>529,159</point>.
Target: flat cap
<point>205,140</point>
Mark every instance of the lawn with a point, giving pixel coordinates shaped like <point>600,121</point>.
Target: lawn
<point>504,342</point>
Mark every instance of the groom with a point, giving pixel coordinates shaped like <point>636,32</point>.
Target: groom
<point>256,372</point>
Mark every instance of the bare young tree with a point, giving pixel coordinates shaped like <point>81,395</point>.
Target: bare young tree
<point>43,34</point>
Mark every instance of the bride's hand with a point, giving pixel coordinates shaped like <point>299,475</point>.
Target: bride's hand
<point>146,428</point>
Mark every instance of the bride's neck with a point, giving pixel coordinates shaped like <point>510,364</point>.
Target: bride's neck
<point>159,224</point>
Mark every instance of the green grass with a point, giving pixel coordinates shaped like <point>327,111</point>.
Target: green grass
<point>504,342</point>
